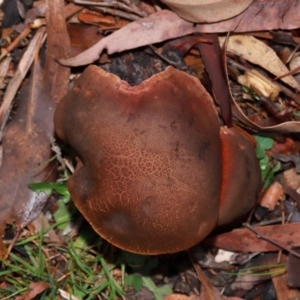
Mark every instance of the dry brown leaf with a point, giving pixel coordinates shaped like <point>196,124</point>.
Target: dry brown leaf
<point>58,45</point>
<point>208,291</point>
<point>293,270</point>
<point>14,84</point>
<point>25,150</point>
<point>164,25</point>
<point>157,27</point>
<point>35,288</point>
<point>26,140</point>
<point>283,292</point>
<point>207,11</point>
<point>260,54</point>
<point>244,240</point>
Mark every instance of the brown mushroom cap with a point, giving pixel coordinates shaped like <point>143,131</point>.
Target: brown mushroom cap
<point>148,178</point>
<point>241,177</point>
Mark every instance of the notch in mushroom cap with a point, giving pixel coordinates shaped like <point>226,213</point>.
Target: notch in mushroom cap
<point>148,178</point>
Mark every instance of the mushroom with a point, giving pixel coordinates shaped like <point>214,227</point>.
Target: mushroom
<point>151,160</point>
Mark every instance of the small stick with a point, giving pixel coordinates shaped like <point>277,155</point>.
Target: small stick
<point>261,236</point>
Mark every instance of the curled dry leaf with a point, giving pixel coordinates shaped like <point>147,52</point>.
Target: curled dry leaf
<point>165,25</point>
<point>286,127</point>
<point>207,11</point>
<point>260,54</point>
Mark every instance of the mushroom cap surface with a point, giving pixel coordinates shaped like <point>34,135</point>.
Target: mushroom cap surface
<point>241,177</point>
<point>148,176</point>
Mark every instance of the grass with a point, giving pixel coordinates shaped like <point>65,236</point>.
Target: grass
<point>82,273</point>
<point>74,268</point>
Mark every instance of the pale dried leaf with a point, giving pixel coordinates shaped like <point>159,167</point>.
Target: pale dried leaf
<point>260,54</point>
<point>65,295</point>
<point>208,11</point>
<point>259,84</point>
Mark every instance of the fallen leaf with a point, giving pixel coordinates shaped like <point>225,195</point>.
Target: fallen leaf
<point>253,50</point>
<point>208,11</point>
<point>156,28</point>
<point>283,292</point>
<point>35,288</point>
<point>259,84</point>
<point>286,147</point>
<point>286,127</point>
<point>260,15</point>
<point>212,56</point>
<point>165,25</point>
<point>293,270</point>
<point>26,140</point>
<point>25,150</point>
<point>82,37</point>
<point>14,84</point>
<point>244,240</point>
<point>208,291</point>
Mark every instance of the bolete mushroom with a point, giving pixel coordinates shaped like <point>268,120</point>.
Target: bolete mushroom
<point>155,172</point>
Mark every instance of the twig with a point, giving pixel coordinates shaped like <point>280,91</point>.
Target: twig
<point>113,4</point>
<point>16,42</point>
<point>263,237</point>
<point>12,243</point>
<point>116,13</point>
